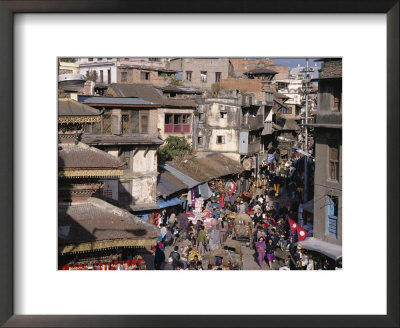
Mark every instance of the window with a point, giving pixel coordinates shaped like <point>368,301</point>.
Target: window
<point>203,76</point>
<point>106,124</point>
<point>200,141</point>
<point>109,76</point>
<point>154,59</point>
<point>286,110</point>
<point>99,59</point>
<point>217,76</point>
<point>124,195</point>
<point>177,123</point>
<point>125,156</point>
<point>101,76</point>
<point>223,114</point>
<point>333,173</point>
<point>188,75</point>
<point>201,117</point>
<point>124,76</point>
<point>220,139</point>
<point>90,59</point>
<point>145,76</point>
<point>109,58</point>
<point>144,122</point>
<point>332,216</point>
<point>337,95</point>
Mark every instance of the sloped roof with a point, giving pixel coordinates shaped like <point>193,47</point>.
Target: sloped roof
<point>179,89</point>
<point>259,71</point>
<point>96,100</point>
<point>291,124</point>
<point>82,156</point>
<point>150,93</point>
<point>94,224</point>
<point>70,107</point>
<point>168,184</point>
<point>133,139</point>
<point>204,168</point>
<point>187,180</point>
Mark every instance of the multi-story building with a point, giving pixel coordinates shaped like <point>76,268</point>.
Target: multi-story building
<point>127,130</point>
<point>328,165</point>
<point>229,123</point>
<point>201,72</point>
<point>174,114</point>
<point>105,68</point>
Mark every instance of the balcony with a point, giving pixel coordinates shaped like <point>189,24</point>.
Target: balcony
<point>253,123</point>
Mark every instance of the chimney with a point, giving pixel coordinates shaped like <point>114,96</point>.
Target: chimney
<point>88,89</point>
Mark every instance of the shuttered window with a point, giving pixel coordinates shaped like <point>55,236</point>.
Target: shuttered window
<point>333,173</point>
<point>332,216</point>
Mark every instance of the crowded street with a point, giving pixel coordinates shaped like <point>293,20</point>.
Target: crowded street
<point>199,164</point>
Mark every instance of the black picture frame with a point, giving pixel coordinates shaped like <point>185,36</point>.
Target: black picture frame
<point>7,11</point>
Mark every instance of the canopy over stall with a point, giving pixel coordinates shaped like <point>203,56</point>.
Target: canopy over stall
<point>331,250</point>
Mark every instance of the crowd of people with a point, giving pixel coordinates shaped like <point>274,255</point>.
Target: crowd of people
<point>269,217</point>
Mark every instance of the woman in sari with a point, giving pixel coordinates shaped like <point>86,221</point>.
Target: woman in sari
<point>260,247</point>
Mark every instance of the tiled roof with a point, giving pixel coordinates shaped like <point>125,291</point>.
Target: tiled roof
<point>150,93</point>
<point>81,156</point>
<point>204,168</point>
<point>95,220</point>
<point>70,107</point>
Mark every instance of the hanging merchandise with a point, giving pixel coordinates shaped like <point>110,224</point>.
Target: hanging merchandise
<point>193,197</point>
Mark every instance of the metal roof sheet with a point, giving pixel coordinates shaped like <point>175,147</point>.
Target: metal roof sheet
<point>181,176</point>
<point>114,101</point>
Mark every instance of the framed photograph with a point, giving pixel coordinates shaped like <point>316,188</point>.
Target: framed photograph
<point>94,93</point>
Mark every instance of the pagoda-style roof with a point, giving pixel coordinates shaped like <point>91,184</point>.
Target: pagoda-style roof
<point>80,160</point>
<point>71,111</point>
<point>94,224</point>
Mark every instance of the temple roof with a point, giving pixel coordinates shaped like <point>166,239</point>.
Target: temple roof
<point>81,160</point>
<point>94,224</point>
<point>70,107</point>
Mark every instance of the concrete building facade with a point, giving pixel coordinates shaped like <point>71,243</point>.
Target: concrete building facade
<point>328,151</point>
<point>201,72</point>
<point>228,124</point>
<point>105,68</point>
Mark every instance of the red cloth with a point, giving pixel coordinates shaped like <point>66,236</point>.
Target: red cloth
<point>301,233</point>
<point>222,201</point>
<point>293,225</point>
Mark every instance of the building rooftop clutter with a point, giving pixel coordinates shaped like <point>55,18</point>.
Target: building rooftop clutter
<point>148,92</point>
<point>109,140</point>
<point>91,161</point>
<point>94,224</point>
<point>70,107</point>
<point>168,184</point>
<point>206,167</point>
<point>121,101</point>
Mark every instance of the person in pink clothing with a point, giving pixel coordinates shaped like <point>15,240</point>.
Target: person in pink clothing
<point>260,247</point>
